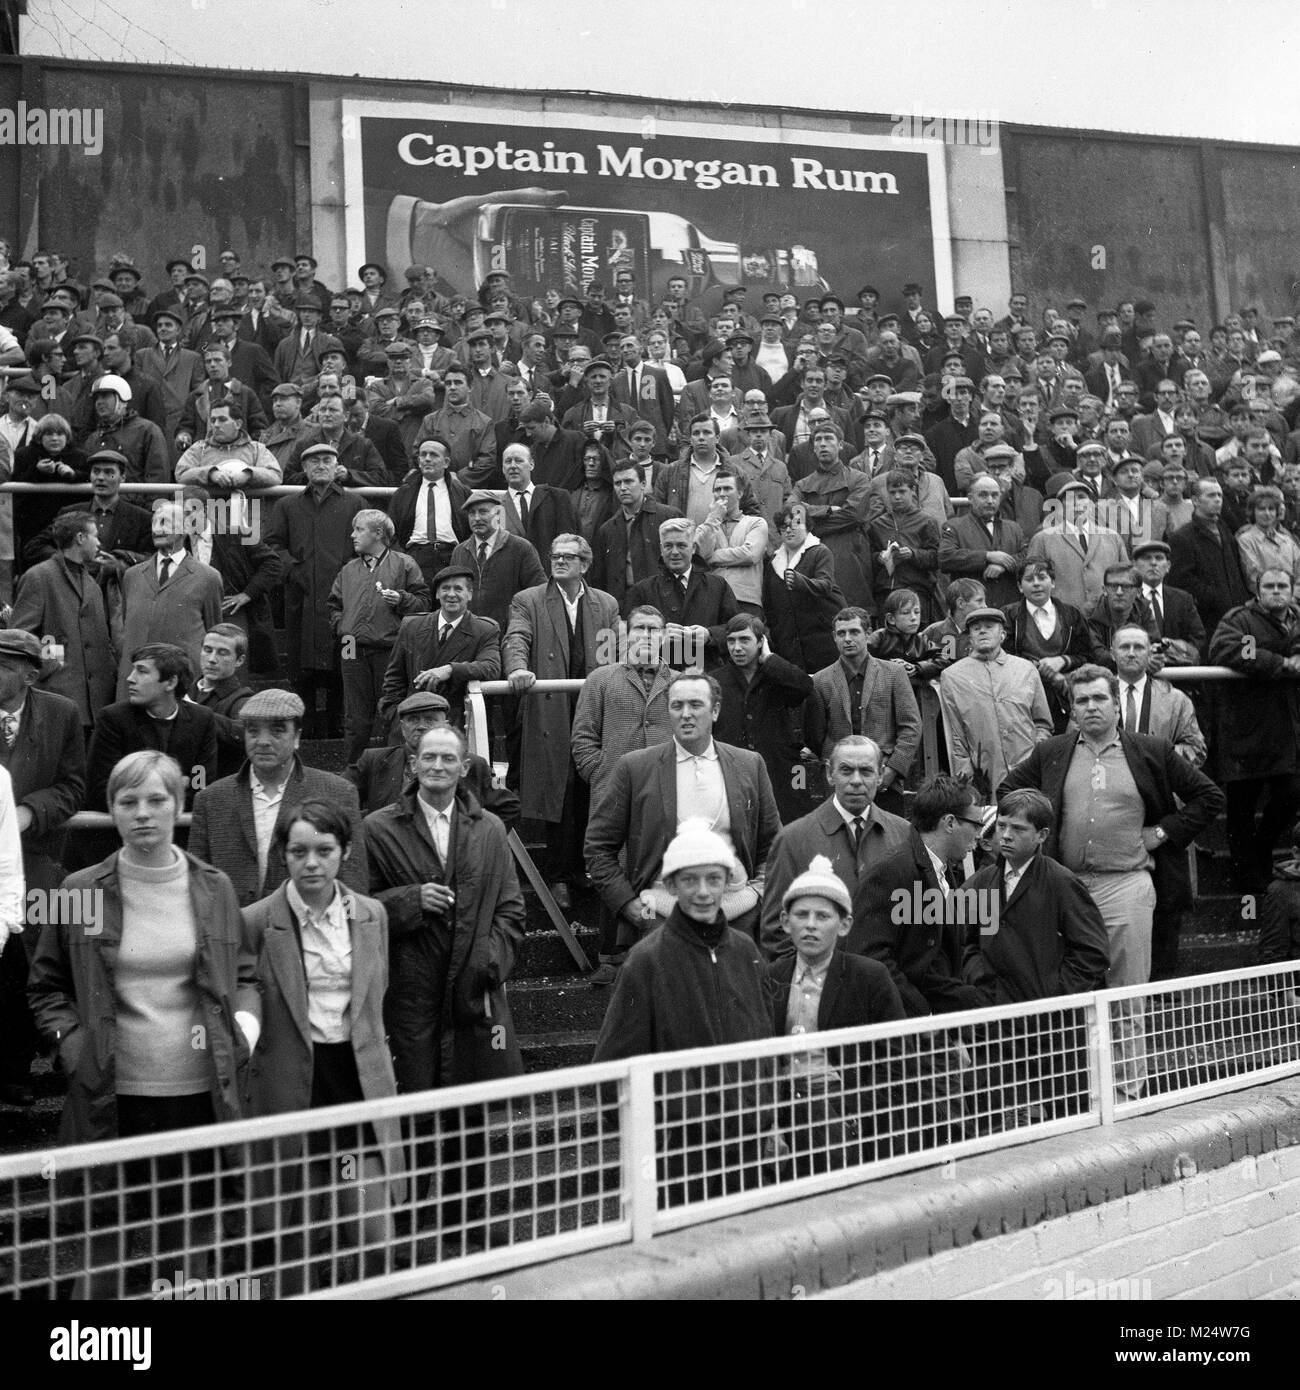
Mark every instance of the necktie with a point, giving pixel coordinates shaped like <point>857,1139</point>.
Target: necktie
<point>10,722</point>
<point>1153,599</point>
<point>306,340</point>
<point>1130,710</point>
<point>431,516</point>
<point>1083,541</point>
<point>684,580</point>
<point>482,554</point>
<point>875,462</point>
<point>856,831</point>
<point>521,501</point>
<point>165,570</point>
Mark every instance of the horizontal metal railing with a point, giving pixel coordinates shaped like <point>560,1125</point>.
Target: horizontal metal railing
<point>391,1196</point>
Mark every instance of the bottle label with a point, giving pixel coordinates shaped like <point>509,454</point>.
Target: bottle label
<point>541,248</point>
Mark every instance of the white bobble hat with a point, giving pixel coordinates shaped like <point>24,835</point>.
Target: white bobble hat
<point>819,881</point>
<point>695,844</point>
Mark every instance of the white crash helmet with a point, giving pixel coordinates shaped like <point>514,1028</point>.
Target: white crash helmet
<point>116,385</point>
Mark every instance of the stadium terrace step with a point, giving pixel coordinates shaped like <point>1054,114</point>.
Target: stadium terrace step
<point>550,1005</point>
<point>547,1051</point>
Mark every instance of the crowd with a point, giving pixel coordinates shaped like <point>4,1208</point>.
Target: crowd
<point>772,540</point>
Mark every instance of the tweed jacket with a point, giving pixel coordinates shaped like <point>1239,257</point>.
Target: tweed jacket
<point>617,714</point>
<point>890,714</point>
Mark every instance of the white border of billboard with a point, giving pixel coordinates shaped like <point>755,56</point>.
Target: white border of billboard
<point>353,110</point>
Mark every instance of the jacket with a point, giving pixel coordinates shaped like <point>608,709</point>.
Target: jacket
<point>675,991</point>
<point>224,701</point>
<point>1211,573</point>
<point>1259,718</point>
<point>47,766</point>
<point>478,1042</point>
<point>356,453</point>
<point>634,817</point>
<point>473,651</point>
<point>765,715</point>
<point>64,604</point>
<point>857,991</point>
<point>1164,779</point>
<point>200,458</point>
<point>537,640</point>
<point>1279,921</point>
<point>124,728</point>
<point>512,566</point>
<point>1049,939</point>
<point>617,714</point>
<point>402,504</point>
<point>890,714</point>
<point>180,611</point>
<point>280,1077</point>
<point>358,610</point>
<point>224,832</point>
<point>963,545</point>
<point>380,776</point>
<point>801,615</point>
<point>71,990</point>
<point>615,540</point>
<point>707,601</point>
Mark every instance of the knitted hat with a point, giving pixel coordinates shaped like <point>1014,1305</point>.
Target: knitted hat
<point>819,881</point>
<point>695,844</point>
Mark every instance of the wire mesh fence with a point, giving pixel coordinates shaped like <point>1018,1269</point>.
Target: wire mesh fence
<point>393,1196</point>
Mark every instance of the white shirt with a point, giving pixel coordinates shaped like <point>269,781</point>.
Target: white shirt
<point>175,557</point>
<point>527,494</point>
<point>1139,690</point>
<point>12,885</point>
<point>701,791</point>
<point>571,606</point>
<point>445,628</point>
<point>266,807</point>
<point>1012,876</point>
<point>439,823</point>
<point>1044,617</point>
<point>15,432</point>
<point>442,513</point>
<point>940,871</point>
<point>847,816</point>
<point>327,965</point>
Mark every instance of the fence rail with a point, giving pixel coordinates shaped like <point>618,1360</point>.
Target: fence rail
<point>388,1197</point>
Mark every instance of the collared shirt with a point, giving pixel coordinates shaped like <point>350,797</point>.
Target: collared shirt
<point>805,998</point>
<point>445,628</point>
<point>175,559</point>
<point>442,514</point>
<point>439,823</point>
<point>940,871</point>
<point>266,807</point>
<point>855,681</point>
<point>1102,814</point>
<point>1138,688</point>
<point>571,605</point>
<point>327,965</point>
<point>699,496</point>
<point>701,791</point>
<point>13,721</point>
<point>527,494</point>
<point>1011,877</point>
<point>1044,616</point>
<point>848,817</point>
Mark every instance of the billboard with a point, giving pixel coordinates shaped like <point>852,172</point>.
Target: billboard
<point>558,199</point>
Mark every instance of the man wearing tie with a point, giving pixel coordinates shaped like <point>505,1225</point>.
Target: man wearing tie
<point>178,368</point>
<point>1173,611</point>
<point>645,389</point>
<point>536,511</point>
<point>441,652</point>
<point>428,510</point>
<point>296,358</point>
<point>169,597</point>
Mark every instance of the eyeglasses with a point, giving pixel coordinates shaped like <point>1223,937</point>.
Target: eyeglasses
<point>566,556</point>
<point>977,821</point>
<point>1119,588</point>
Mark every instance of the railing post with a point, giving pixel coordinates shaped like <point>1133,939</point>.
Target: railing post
<point>637,1131</point>
<point>1103,1056</point>
<point>476,724</point>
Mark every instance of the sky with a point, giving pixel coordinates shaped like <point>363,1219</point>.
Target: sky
<point>1196,68</point>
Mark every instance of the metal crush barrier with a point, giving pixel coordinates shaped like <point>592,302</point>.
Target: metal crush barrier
<point>389,1197</point>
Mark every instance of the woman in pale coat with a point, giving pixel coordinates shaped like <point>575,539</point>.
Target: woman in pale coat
<point>323,972</point>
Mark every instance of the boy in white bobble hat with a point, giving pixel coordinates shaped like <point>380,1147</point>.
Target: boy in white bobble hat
<point>829,1094</point>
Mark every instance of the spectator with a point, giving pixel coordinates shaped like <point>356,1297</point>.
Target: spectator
<point>1122,605</point>
<point>356,460</point>
<point>733,545</point>
<point>503,564</point>
<point>370,597</point>
<point>1122,832</point>
<point>428,510</point>
<point>905,543</point>
<point>311,533</point>
<point>851,830</point>
<point>696,605</point>
<point>443,651</point>
<point>322,971</point>
<point>1053,636</point>
<point>626,548</point>
<point>1258,734</point>
<point>234,818</point>
<point>1204,558</point>
<point>177,368</point>
<point>60,602</point>
<point>119,1006</point>
<point>169,598</point>
<point>557,631</point>
<point>762,709</point>
<point>835,498</point>
<point>469,433</point>
<point>981,545</point>
<point>556,452</point>
<point>117,427</point>
<point>536,511</point>
<point>594,502</point>
<point>220,689</point>
<point>859,694</point>
<point>155,714</point>
<point>1080,550</point>
<point>1279,923</point>
<point>43,751</point>
<point>994,708</point>
<point>219,388</point>
<point>228,461</point>
<point>1263,543</point>
<point>800,595</point>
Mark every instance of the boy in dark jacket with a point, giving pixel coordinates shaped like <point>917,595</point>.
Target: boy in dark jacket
<point>828,1095</point>
<point>1279,922</point>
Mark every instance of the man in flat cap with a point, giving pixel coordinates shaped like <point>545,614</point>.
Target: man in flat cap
<point>381,775</point>
<point>1080,550</point>
<point>287,424</point>
<point>42,748</point>
<point>179,369</point>
<point>469,433</point>
<point>444,650</point>
<point>296,356</point>
<point>235,818</point>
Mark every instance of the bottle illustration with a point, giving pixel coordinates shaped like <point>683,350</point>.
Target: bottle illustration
<point>547,247</point>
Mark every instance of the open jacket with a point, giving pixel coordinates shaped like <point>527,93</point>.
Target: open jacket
<point>74,1002</point>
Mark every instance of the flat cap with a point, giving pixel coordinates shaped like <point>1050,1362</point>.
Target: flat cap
<point>227,311</point>
<point>328,343</point>
<point>597,364</point>
<point>397,349</point>
<point>1126,458</point>
<point>1090,446</point>
<point>879,376</point>
<point>976,615</point>
<point>177,263</point>
<point>1142,547</point>
<point>88,338</point>
<point>15,642</point>
<point>756,420</point>
<point>273,704</point>
<point>913,439</point>
<point>771,318</point>
<point>287,388</point>
<point>435,324</point>
<point>111,301</point>
<point>423,700</point>
<point>306,301</point>
<point>107,456</point>
<point>282,260</point>
<point>1063,412</point>
<point>912,288</point>
<point>480,495</point>
<point>999,451</point>
<point>27,384</point>
<point>960,381</point>
<point>387,311</point>
<point>740,338</point>
<point>195,278</point>
<point>452,572</point>
<point>904,398</point>
<point>479,335</point>
<point>173,312</point>
<point>318,449</point>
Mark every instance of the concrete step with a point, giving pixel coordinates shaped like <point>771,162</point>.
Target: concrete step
<point>546,1051</point>
<point>555,1004</point>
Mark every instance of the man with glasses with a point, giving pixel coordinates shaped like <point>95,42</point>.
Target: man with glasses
<point>560,630</point>
<point>1121,605</point>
